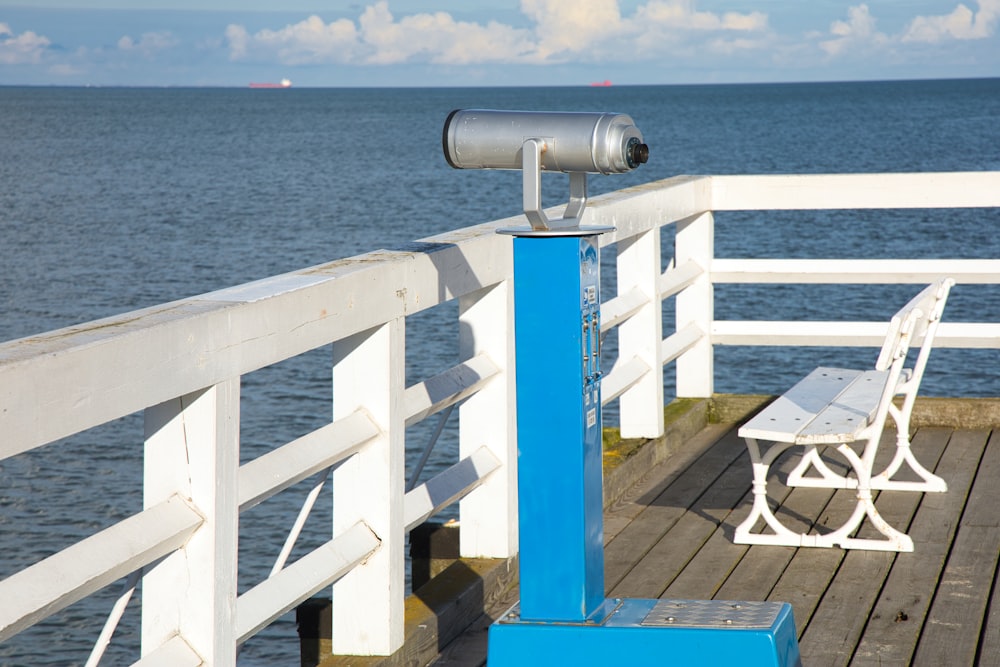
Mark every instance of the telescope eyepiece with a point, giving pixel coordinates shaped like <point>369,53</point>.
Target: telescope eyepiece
<point>636,153</point>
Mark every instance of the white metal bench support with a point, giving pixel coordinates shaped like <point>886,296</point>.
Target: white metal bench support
<point>192,450</point>
<point>781,535</point>
<point>834,407</point>
<point>931,302</point>
<point>904,454</point>
<point>368,374</point>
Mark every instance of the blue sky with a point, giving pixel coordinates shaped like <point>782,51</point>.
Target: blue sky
<point>492,42</point>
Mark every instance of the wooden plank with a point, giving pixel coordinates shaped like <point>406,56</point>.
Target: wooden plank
<point>678,278</point>
<point>714,566</point>
<point>666,508</point>
<point>979,335</point>
<point>618,309</point>
<point>261,605</point>
<point>281,468</point>
<point>38,591</point>
<point>854,271</point>
<point>989,647</point>
<point>447,486</point>
<point>488,419</point>
<point>810,572</point>
<point>651,484</point>
<point>707,570</point>
<point>900,612</point>
<point>840,618</point>
<point>951,634</point>
<point>98,371</point>
<point>651,576</point>
<point>681,341</point>
<point>622,377</point>
<point>845,191</point>
<point>805,580</point>
<point>448,388</point>
<point>637,209</point>
<point>762,566</point>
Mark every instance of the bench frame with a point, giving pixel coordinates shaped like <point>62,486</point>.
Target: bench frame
<point>909,385</point>
<point>845,409</point>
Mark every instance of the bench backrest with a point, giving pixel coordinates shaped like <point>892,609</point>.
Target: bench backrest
<point>891,359</point>
<point>930,302</point>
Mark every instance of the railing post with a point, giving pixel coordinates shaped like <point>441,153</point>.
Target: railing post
<point>641,407</point>
<point>489,514</point>
<point>192,450</point>
<point>368,374</point>
<point>695,241</point>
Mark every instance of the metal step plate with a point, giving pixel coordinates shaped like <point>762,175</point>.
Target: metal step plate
<point>713,614</point>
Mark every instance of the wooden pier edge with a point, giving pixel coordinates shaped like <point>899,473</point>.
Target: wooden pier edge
<point>462,591</point>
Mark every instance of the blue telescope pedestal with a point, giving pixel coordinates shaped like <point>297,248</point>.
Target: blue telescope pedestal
<point>563,617</point>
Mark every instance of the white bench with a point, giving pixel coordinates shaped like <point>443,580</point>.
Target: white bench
<point>844,409</point>
<point>931,301</point>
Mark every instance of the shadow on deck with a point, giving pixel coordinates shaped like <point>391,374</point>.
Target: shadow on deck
<point>669,534</point>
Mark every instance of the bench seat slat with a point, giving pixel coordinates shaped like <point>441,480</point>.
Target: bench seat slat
<point>789,414</point>
<point>848,414</point>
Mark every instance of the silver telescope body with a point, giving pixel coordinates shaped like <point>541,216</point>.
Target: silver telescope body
<point>583,142</point>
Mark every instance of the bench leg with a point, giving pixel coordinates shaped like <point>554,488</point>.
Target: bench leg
<point>827,479</point>
<point>761,510</point>
<point>895,540</point>
<point>904,454</point>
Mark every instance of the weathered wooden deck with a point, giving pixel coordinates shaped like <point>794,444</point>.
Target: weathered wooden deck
<point>671,536</point>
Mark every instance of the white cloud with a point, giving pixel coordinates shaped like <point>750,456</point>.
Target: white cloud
<point>682,14</point>
<point>238,40</point>
<point>731,46</point>
<point>858,31</point>
<point>962,23</point>
<point>309,41</point>
<point>149,44</point>
<point>561,30</point>
<point>564,27</point>
<point>439,38</point>
<point>26,48</point>
<point>858,35</point>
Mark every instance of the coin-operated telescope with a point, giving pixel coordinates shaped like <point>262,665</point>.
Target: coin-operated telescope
<point>577,143</point>
<point>563,617</point>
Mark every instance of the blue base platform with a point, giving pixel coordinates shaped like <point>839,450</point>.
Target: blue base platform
<point>653,632</point>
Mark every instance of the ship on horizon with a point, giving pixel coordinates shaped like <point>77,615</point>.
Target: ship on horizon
<point>284,83</point>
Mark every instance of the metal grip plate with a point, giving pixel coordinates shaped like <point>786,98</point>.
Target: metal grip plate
<point>713,614</point>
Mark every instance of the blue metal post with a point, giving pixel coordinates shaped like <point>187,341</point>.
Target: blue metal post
<point>557,333</point>
<point>563,617</point>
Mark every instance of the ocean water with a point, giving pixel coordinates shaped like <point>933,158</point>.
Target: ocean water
<point>117,199</point>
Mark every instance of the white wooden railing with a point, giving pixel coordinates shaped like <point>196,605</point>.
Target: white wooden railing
<point>181,364</point>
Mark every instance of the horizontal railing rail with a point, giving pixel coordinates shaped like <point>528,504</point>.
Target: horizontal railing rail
<point>181,363</point>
